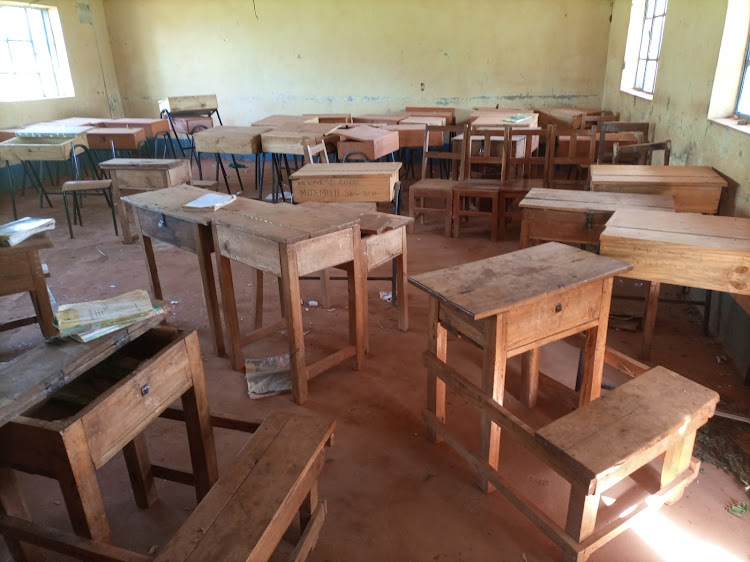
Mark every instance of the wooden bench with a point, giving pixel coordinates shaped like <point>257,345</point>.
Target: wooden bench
<point>245,514</point>
<point>595,447</point>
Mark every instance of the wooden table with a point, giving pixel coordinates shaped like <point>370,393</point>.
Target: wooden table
<point>696,189</point>
<point>142,174</point>
<point>289,242</point>
<point>706,252</point>
<point>383,240</point>
<point>43,432</point>
<point>21,271</point>
<point>578,217</point>
<point>159,215</point>
<point>583,143</point>
<point>513,304</point>
<point>232,140</point>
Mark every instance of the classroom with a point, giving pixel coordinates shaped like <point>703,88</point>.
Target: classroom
<point>410,281</point>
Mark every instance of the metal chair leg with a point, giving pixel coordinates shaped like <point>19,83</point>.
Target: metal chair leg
<point>67,213</point>
<point>112,208</point>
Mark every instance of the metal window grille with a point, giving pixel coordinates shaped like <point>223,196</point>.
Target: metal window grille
<point>743,96</point>
<point>650,47</point>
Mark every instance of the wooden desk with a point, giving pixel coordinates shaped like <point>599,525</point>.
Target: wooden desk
<point>151,127</point>
<point>142,174</point>
<point>108,400</point>
<point>21,271</point>
<point>289,242</point>
<point>449,113</point>
<point>423,120</point>
<point>696,189</point>
<point>328,117</point>
<point>563,115</point>
<point>496,145</point>
<point>499,118</point>
<point>373,142</point>
<point>577,217</point>
<point>412,135</point>
<point>383,240</point>
<point>124,138</point>
<point>706,252</point>
<point>159,215</point>
<point>390,118</point>
<point>278,120</point>
<point>351,181</point>
<point>233,140</point>
<point>582,143</point>
<point>513,304</point>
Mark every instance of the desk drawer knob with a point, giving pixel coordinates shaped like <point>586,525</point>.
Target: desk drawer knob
<point>145,389</point>
<point>558,307</point>
<point>162,221</point>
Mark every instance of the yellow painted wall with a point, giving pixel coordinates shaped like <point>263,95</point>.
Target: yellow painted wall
<point>361,56</point>
<point>690,48</point>
<point>91,66</point>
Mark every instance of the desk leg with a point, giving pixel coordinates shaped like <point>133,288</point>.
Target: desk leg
<point>581,518</point>
<point>525,230</point>
<point>80,488</point>
<point>649,319</point>
<point>203,245</point>
<point>139,472</point>
<point>231,319</point>
<point>530,377</point>
<point>13,504</point>
<point>493,385</point>
<point>41,297</point>
<point>198,422</point>
<point>358,305</point>
<point>676,461</point>
<point>437,343</point>
<point>594,350</point>
<point>293,315</point>
<point>122,212</point>
<point>148,253</point>
<point>402,286</point>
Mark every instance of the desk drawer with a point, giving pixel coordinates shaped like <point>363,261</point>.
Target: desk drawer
<point>171,230</point>
<point>572,227</point>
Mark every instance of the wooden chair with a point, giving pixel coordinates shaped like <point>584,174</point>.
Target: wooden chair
<point>430,189</point>
<point>469,193</point>
<point>526,167</point>
<point>276,474</point>
<point>320,150</point>
<point>641,153</point>
<point>641,129</point>
<point>75,188</point>
<point>572,153</point>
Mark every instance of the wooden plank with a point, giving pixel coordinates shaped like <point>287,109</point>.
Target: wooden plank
<point>488,287</point>
<point>618,433</point>
<point>565,199</point>
<point>140,163</point>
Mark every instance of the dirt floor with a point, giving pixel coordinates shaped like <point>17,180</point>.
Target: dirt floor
<point>392,494</point>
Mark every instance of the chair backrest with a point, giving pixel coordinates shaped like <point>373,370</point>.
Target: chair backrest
<point>641,153</point>
<point>454,156</point>
<point>485,149</point>
<point>571,148</point>
<point>639,128</point>
<point>527,153</point>
<point>313,150</point>
<point>597,119</point>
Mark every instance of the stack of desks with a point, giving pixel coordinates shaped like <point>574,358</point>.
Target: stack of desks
<point>142,174</point>
<point>21,271</point>
<point>706,252</point>
<point>578,217</point>
<point>696,189</point>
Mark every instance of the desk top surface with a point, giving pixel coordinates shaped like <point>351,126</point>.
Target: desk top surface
<point>393,118</point>
<point>302,127</point>
<point>169,201</point>
<point>282,223</point>
<point>279,119</point>
<point>726,233</point>
<point>609,431</point>
<point>347,169</point>
<point>585,201</point>
<point>136,120</point>
<point>224,131</point>
<point>111,131</point>
<point>30,378</point>
<point>488,287</point>
<point>649,175</point>
<point>141,164</point>
<point>38,241</point>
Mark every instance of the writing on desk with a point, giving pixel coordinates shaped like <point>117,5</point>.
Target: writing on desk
<point>326,181</point>
<point>326,192</point>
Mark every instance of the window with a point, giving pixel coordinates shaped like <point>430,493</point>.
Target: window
<point>33,61</point>
<point>648,56</point>
<point>743,96</point>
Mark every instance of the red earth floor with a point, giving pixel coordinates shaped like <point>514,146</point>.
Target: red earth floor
<point>392,495</point>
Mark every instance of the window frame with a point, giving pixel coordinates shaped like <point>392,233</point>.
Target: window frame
<point>640,59</point>
<point>744,75</point>
<point>47,46</point>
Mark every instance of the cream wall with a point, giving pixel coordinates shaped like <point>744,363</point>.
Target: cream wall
<point>364,56</point>
<point>91,66</point>
<point>690,49</point>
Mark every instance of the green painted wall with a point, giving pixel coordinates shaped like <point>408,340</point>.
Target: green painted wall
<point>91,66</point>
<point>301,56</point>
